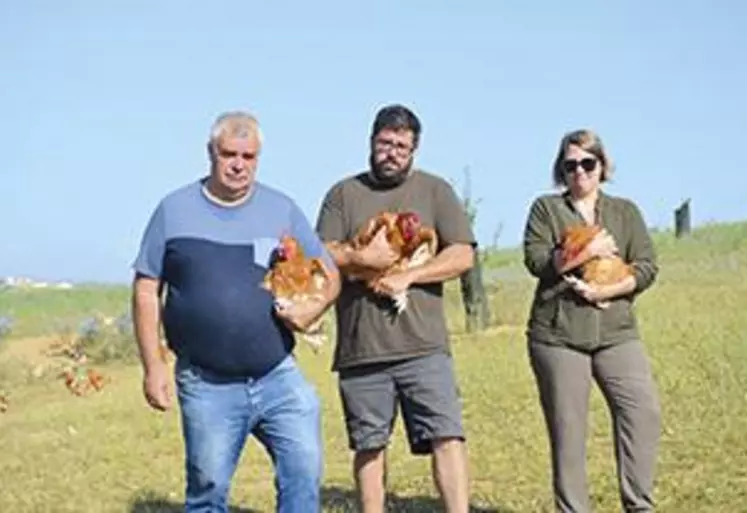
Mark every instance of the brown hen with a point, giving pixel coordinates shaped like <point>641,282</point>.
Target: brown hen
<point>411,241</point>
<point>294,278</point>
<point>597,270</point>
<point>593,270</point>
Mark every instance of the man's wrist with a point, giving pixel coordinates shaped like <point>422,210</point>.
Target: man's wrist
<point>415,274</point>
<point>153,364</point>
<point>151,357</point>
<point>353,257</point>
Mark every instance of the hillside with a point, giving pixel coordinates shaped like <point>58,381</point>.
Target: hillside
<point>109,452</point>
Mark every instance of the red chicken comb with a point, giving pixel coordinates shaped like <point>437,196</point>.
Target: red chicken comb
<point>408,223</point>
<point>287,247</point>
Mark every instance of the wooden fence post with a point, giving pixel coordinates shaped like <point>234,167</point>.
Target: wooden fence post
<point>474,299</point>
<point>682,219</point>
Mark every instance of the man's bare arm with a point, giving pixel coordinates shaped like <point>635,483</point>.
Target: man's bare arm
<point>329,294</point>
<point>146,317</point>
<point>332,290</point>
<point>451,262</point>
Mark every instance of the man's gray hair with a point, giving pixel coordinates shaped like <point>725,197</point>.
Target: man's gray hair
<point>235,124</point>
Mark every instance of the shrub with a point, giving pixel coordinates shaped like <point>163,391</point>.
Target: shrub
<point>107,339</point>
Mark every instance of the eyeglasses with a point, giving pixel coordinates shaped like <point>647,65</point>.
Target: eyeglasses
<point>588,164</point>
<point>387,145</point>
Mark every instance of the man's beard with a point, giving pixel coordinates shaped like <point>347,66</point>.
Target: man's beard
<point>388,178</point>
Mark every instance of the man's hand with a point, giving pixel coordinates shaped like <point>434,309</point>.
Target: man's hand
<point>378,254</point>
<point>156,387</point>
<point>300,316</point>
<point>394,283</point>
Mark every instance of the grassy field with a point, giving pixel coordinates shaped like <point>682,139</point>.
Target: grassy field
<point>110,452</point>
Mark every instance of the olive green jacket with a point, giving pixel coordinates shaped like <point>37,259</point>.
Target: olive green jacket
<point>558,314</point>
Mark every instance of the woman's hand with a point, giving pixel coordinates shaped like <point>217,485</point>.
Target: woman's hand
<point>600,295</point>
<point>590,292</point>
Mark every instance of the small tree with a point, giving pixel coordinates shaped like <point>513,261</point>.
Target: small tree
<point>474,299</point>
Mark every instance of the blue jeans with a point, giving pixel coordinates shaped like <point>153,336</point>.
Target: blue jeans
<point>281,409</point>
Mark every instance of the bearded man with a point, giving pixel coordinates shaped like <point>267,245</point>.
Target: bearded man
<point>386,360</point>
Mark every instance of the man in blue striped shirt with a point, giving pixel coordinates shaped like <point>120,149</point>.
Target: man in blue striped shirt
<point>209,245</point>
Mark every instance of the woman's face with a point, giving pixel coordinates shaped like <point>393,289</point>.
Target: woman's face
<point>582,171</point>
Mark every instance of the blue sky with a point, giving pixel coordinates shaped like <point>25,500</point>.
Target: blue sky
<point>106,108</point>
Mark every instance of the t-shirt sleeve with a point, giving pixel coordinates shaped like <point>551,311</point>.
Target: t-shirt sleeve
<point>310,242</point>
<point>330,224</point>
<point>149,260</point>
<point>452,222</point>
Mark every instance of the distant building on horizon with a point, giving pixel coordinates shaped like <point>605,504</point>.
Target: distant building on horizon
<point>21,282</point>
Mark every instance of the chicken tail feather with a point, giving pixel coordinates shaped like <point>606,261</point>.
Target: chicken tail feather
<point>400,301</point>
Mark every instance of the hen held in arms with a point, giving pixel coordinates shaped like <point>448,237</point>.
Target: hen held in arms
<point>413,243</point>
<point>293,278</point>
<point>593,270</point>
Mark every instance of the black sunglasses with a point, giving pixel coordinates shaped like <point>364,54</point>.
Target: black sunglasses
<point>588,164</point>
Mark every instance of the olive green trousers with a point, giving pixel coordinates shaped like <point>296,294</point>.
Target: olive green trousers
<point>564,378</point>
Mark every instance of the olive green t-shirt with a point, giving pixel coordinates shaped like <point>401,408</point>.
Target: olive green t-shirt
<point>367,330</point>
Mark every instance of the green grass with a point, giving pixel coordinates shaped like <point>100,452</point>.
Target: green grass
<point>110,452</point>
<point>42,312</point>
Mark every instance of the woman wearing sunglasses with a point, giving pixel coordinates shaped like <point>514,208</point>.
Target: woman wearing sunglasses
<point>573,341</point>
